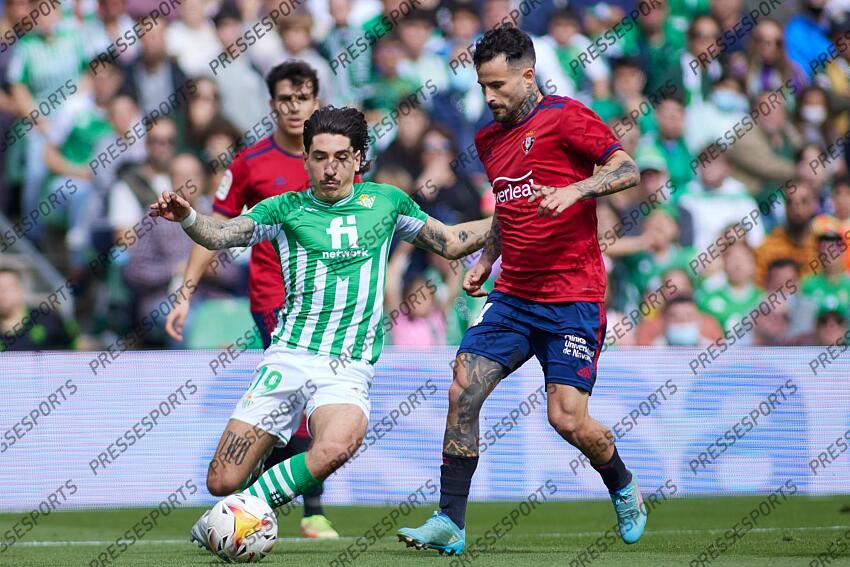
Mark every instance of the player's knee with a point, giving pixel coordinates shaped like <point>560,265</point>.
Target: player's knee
<point>567,424</point>
<point>221,484</point>
<point>332,453</point>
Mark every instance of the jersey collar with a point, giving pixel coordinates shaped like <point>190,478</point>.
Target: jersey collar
<point>354,191</point>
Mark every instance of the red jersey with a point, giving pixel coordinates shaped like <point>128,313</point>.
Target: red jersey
<point>546,259</point>
<point>256,173</point>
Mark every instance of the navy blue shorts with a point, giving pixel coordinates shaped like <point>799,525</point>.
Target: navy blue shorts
<point>565,337</point>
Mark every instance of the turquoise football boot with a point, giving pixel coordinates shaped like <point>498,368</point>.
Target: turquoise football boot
<point>631,513</point>
<point>438,532</point>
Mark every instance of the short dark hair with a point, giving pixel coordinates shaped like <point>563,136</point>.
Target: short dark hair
<point>676,300</point>
<point>783,263</point>
<point>505,39</point>
<point>844,180</point>
<point>345,121</point>
<point>295,71</point>
<point>10,270</point>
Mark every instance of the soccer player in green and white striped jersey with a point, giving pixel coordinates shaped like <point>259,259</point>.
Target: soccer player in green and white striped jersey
<point>333,241</point>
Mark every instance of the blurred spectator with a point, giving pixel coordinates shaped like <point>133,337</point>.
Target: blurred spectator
<point>670,139</point>
<point>111,23</point>
<point>794,240</point>
<point>10,170</point>
<point>811,117</point>
<point>725,107</point>
<point>46,63</point>
<point>763,158</point>
<point>627,100</point>
<point>443,193</point>
<point>158,255</point>
<point>192,39</point>
<point>122,113</point>
<point>784,273</point>
<point>827,284</point>
<point>658,40</point>
<point>730,303</point>
<point>770,69</point>
<point>818,177</point>
<point>421,313</point>
<point>203,107</point>
<point>295,43</point>
<point>140,185</point>
<point>405,151</point>
<point>219,144</point>
<point>680,320</point>
<point>242,89</point>
<point>696,76</point>
<point>774,327</point>
<point>663,252</point>
<point>675,283</point>
<point>589,81</point>
<point>77,131</point>
<point>351,74</point>
<point>840,206</point>
<point>154,75</point>
<point>835,78</point>
<point>24,328</point>
<point>715,201</point>
<point>831,326</point>
<point>807,33</point>
<point>728,14</point>
<point>420,66</point>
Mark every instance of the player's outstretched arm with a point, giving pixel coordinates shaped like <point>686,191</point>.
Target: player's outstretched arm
<point>211,233</point>
<point>618,173</point>
<point>452,242</point>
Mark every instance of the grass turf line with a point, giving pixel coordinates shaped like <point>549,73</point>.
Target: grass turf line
<point>553,534</point>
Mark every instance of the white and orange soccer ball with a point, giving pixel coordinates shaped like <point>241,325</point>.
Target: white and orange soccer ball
<point>241,529</point>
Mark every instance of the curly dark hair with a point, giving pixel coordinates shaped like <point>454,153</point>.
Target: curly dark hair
<point>505,39</point>
<point>297,72</point>
<point>345,121</point>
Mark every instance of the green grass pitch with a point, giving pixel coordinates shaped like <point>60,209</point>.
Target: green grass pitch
<point>552,535</point>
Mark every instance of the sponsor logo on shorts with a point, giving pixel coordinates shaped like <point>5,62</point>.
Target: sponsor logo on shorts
<point>577,347</point>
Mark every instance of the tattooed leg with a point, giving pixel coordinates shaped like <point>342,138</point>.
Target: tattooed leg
<point>474,378</point>
<point>241,448</point>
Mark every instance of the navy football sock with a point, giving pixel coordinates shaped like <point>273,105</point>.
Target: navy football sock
<point>455,478</point>
<point>614,473</point>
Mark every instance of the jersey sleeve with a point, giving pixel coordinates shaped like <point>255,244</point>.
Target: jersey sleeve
<point>232,193</point>
<point>582,131</point>
<point>410,218</point>
<point>268,216</point>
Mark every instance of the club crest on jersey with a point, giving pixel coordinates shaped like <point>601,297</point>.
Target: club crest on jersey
<point>528,141</point>
<point>366,200</point>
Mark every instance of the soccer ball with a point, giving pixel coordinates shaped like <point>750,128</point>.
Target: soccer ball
<point>241,529</point>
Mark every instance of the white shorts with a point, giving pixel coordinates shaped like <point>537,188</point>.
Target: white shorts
<point>288,382</point>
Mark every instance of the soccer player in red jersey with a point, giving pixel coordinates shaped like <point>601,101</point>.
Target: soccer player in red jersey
<point>547,158</point>
<point>270,167</point>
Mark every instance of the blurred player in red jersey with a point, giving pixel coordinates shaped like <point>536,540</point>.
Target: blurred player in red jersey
<point>547,158</point>
<point>270,167</point>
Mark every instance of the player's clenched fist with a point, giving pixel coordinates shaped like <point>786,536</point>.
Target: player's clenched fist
<point>170,206</point>
<point>475,278</point>
<point>553,200</point>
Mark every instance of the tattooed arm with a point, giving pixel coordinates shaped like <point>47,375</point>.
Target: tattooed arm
<point>452,242</point>
<point>618,173</point>
<point>210,232</point>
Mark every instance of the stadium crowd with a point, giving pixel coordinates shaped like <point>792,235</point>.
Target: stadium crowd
<point>736,112</point>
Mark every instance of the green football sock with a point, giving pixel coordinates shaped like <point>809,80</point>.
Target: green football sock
<point>284,481</point>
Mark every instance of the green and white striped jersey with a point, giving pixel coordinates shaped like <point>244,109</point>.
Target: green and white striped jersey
<point>333,259</point>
